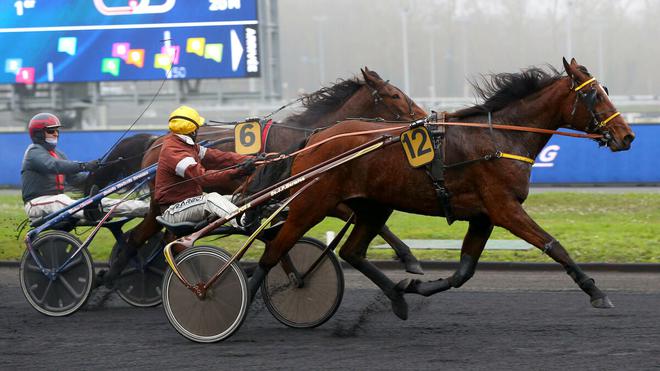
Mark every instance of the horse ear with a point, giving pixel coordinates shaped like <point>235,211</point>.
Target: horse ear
<point>366,75</point>
<point>574,63</point>
<point>567,67</point>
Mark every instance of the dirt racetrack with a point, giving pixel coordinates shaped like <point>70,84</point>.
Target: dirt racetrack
<point>497,321</point>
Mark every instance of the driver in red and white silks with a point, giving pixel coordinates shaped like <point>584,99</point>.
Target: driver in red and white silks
<point>185,167</point>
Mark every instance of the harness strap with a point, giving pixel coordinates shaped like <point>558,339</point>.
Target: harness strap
<point>516,157</point>
<point>264,134</point>
<point>585,84</point>
<point>435,170</point>
<point>602,123</point>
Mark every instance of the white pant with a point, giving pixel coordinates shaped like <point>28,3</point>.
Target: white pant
<point>195,209</point>
<point>44,205</point>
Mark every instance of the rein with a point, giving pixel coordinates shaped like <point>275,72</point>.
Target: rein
<point>517,128</point>
<point>433,120</point>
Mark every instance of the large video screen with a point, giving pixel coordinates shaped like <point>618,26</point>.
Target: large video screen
<point>54,41</point>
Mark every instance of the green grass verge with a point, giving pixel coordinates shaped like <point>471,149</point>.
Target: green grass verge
<point>599,227</point>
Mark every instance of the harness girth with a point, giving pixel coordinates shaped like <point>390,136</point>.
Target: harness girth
<point>435,169</point>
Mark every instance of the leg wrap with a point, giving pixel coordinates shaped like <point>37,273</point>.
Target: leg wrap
<point>548,246</point>
<point>464,272</point>
<point>255,281</point>
<point>586,283</point>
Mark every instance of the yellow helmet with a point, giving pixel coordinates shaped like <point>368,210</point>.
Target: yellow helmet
<point>185,120</point>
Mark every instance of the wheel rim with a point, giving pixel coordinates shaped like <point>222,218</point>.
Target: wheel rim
<point>319,298</point>
<point>71,287</point>
<point>141,282</point>
<point>223,310</point>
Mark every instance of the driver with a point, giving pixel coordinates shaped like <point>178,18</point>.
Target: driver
<point>46,170</point>
<point>184,170</point>
<point>181,174</point>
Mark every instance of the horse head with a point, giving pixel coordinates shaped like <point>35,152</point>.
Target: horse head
<point>392,103</point>
<point>590,109</point>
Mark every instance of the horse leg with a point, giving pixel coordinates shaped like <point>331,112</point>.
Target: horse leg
<point>402,251</point>
<point>370,218</point>
<point>514,218</point>
<point>298,222</point>
<point>128,245</point>
<point>473,245</point>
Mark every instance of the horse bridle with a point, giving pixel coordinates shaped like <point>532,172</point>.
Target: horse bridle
<point>588,97</point>
<point>378,98</point>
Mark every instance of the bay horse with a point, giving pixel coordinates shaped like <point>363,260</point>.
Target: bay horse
<point>124,159</point>
<point>486,192</point>
<point>371,98</point>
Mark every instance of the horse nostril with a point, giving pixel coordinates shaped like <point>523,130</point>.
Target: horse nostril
<point>628,139</point>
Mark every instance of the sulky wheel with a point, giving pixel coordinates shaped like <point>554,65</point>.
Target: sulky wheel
<point>221,312</point>
<point>141,282</point>
<point>67,288</point>
<point>313,301</point>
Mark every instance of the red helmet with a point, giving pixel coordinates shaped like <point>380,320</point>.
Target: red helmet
<point>41,121</point>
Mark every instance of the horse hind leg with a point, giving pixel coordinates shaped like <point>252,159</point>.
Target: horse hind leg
<point>402,251</point>
<point>370,218</point>
<point>473,245</point>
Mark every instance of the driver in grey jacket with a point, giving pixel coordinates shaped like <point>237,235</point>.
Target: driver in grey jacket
<point>45,171</point>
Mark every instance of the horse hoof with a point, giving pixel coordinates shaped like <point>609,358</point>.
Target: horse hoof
<point>399,305</point>
<point>400,308</point>
<point>602,303</point>
<point>414,267</point>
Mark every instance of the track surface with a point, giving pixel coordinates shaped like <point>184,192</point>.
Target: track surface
<point>497,321</point>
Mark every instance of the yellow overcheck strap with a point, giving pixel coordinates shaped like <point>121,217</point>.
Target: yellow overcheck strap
<point>516,157</point>
<point>585,84</point>
<point>604,122</point>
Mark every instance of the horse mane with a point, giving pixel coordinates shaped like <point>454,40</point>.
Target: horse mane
<point>499,90</point>
<point>323,101</point>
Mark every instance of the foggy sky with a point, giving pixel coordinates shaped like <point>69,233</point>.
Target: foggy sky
<point>616,40</point>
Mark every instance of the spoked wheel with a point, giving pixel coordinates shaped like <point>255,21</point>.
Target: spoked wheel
<point>312,301</point>
<point>221,312</point>
<point>141,282</point>
<point>65,291</point>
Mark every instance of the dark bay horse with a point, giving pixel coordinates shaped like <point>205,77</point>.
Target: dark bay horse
<point>123,160</point>
<point>371,98</point>
<point>485,193</point>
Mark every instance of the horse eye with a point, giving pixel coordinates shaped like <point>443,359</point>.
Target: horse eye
<point>606,90</point>
<point>395,96</point>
